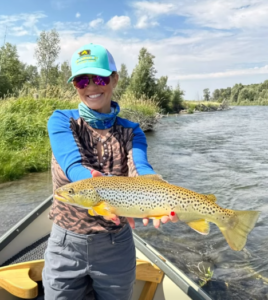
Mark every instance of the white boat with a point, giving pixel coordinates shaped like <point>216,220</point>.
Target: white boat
<point>21,263</point>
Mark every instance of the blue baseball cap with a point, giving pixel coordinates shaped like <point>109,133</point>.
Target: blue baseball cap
<point>92,59</point>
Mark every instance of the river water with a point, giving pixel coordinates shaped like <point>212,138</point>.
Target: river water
<point>223,153</point>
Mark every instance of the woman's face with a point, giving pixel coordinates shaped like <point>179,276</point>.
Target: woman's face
<point>98,97</point>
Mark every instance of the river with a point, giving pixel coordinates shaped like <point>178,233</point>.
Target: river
<point>223,153</point>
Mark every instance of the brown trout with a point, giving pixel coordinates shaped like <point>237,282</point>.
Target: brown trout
<point>149,196</point>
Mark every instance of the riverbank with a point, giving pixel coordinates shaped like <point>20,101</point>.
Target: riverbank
<point>203,106</point>
<point>24,142</point>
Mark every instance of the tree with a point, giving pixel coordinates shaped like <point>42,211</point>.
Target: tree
<point>47,51</point>
<point>246,94</point>
<point>235,92</point>
<point>216,95</point>
<point>32,77</point>
<point>142,81</point>
<point>176,99</point>
<point>64,74</point>
<point>5,85</point>
<point>123,82</point>
<point>206,94</point>
<point>12,74</point>
<point>163,93</point>
<point>51,77</point>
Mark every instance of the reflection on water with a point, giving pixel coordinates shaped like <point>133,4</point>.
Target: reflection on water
<point>222,153</point>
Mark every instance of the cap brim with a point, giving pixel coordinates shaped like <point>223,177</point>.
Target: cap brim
<point>94,71</point>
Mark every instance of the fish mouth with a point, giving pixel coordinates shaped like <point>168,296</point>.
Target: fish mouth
<point>63,198</point>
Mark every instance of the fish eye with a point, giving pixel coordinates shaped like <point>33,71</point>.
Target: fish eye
<point>71,191</point>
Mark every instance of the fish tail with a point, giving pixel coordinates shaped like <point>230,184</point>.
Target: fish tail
<point>238,227</point>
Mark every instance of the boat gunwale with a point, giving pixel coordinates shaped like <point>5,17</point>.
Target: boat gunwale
<point>12,233</point>
<point>194,294</point>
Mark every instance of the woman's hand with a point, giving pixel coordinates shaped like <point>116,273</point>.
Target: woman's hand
<point>171,218</point>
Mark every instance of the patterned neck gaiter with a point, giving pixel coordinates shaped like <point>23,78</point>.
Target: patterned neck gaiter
<point>98,120</point>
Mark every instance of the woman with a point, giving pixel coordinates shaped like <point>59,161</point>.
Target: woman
<point>91,257</point>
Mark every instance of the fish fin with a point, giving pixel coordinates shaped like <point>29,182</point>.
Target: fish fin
<point>156,217</point>
<point>211,197</point>
<point>156,177</point>
<point>201,226</point>
<point>103,209</point>
<point>91,212</point>
<point>238,228</point>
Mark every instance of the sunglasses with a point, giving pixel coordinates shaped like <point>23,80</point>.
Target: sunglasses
<point>82,81</point>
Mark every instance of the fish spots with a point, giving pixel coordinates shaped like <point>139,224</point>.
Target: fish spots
<point>146,196</point>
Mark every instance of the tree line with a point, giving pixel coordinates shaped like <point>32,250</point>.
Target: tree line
<point>240,94</point>
<point>142,82</point>
<point>16,75</point>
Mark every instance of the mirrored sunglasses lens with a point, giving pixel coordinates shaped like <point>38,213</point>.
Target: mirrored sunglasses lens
<point>101,80</point>
<point>81,82</point>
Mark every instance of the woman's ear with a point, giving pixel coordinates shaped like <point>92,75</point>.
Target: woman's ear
<point>74,86</point>
<point>115,78</point>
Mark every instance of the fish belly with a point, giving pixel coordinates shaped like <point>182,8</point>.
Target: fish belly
<point>136,204</point>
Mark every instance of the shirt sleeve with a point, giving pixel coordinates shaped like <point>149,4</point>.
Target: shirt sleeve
<point>65,148</point>
<point>137,156</point>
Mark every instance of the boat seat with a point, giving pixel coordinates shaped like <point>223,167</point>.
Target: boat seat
<point>20,279</point>
<point>152,276</point>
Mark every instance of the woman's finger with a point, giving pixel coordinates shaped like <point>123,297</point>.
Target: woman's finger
<point>165,219</point>
<point>145,221</point>
<point>95,173</point>
<point>173,217</point>
<point>156,223</point>
<point>131,222</point>
<point>115,219</point>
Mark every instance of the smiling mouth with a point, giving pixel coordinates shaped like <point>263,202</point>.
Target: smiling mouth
<point>94,96</point>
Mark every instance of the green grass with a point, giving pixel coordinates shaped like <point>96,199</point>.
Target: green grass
<point>145,106</point>
<point>192,106</point>
<point>24,142</point>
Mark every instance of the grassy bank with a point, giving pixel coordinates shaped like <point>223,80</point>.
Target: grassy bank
<point>24,143</point>
<point>141,110</point>
<point>192,106</point>
<point>24,140</point>
<point>262,102</point>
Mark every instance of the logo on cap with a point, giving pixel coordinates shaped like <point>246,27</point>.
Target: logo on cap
<point>84,52</point>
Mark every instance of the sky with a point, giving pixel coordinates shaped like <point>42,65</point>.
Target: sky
<point>196,43</point>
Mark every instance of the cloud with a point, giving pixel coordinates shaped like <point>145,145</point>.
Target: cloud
<point>144,22</point>
<point>147,12</point>
<point>77,15</point>
<point>153,8</point>
<point>218,14</point>
<point>21,24</point>
<point>96,23</point>
<point>19,31</point>
<point>230,14</point>
<point>118,23</point>
<point>26,52</point>
<point>231,73</point>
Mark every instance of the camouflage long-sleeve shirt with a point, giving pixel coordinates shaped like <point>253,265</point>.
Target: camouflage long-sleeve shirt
<point>74,147</point>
